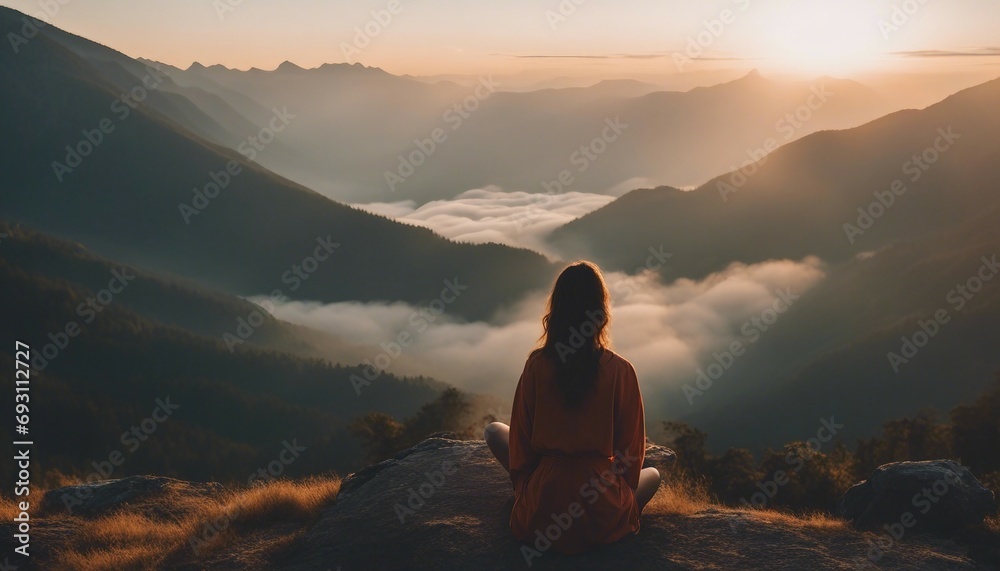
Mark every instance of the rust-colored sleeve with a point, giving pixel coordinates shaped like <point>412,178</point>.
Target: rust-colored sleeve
<point>523,459</point>
<point>630,426</point>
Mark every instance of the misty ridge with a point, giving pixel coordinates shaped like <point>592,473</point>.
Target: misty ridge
<point>525,179</point>
<point>372,132</point>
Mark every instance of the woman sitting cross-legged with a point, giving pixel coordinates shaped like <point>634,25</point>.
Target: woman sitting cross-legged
<point>576,442</point>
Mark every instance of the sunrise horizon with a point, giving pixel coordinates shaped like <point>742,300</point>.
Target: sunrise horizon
<point>845,39</point>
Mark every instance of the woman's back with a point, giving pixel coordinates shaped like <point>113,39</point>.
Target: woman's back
<point>576,465</point>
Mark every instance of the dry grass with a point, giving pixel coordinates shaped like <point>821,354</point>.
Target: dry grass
<point>679,496</point>
<point>131,540</point>
<point>817,520</point>
<point>686,497</point>
<point>9,508</point>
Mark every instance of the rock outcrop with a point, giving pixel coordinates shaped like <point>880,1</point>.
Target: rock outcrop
<point>445,504</point>
<point>100,498</point>
<point>934,496</point>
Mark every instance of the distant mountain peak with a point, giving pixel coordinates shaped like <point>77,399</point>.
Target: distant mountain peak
<point>754,74</point>
<point>198,66</point>
<point>358,66</point>
<point>289,66</point>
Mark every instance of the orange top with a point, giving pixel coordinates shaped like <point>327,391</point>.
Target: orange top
<point>575,470</point>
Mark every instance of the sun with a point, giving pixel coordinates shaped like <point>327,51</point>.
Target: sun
<point>822,37</point>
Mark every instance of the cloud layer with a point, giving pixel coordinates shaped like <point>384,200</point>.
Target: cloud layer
<point>668,331</point>
<point>519,219</point>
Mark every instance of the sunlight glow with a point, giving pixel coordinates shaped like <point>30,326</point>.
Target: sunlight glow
<point>832,38</point>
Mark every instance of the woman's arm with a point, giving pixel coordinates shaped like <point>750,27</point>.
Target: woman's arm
<point>630,427</point>
<point>523,459</point>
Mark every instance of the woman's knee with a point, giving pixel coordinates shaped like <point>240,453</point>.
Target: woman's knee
<point>494,431</point>
<point>652,475</point>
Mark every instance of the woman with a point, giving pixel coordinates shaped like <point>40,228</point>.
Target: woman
<point>577,437</point>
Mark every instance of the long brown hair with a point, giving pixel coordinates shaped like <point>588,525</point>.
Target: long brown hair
<point>576,330</point>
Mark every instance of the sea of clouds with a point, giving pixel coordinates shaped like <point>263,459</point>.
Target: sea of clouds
<point>667,330</point>
<point>519,219</point>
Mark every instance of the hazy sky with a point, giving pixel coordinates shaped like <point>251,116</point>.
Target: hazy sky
<point>461,36</point>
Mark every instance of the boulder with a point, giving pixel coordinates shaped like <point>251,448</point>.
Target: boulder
<point>100,498</point>
<point>659,457</point>
<point>445,504</point>
<point>932,496</point>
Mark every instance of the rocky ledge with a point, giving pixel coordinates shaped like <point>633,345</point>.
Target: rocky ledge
<point>445,504</point>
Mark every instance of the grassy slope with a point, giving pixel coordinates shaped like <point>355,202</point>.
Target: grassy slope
<point>254,528</point>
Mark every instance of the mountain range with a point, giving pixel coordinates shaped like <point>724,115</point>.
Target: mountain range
<point>902,211</point>
<point>217,186</point>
